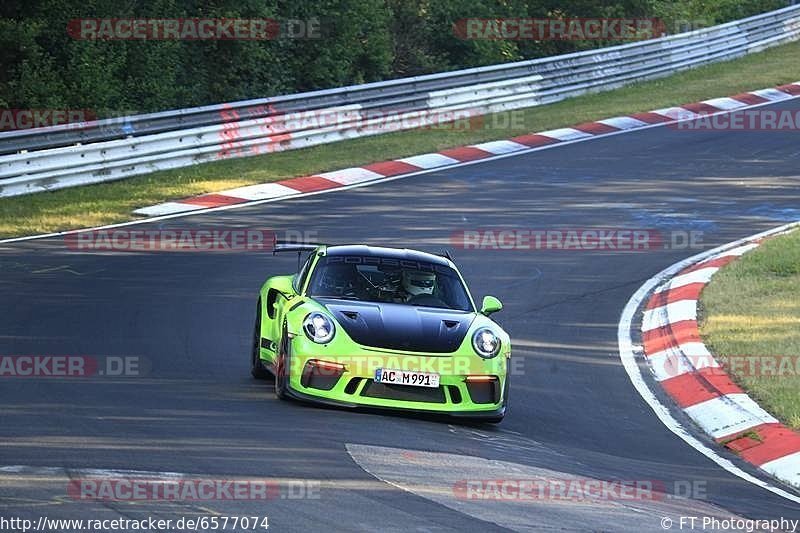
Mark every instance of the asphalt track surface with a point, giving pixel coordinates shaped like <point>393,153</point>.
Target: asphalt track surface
<point>573,409</point>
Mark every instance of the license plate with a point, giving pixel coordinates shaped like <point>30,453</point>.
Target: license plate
<point>405,377</point>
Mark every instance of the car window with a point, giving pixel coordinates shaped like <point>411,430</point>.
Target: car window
<point>300,278</point>
<point>379,279</point>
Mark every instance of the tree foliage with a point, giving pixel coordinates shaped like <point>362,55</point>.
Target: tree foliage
<point>42,66</point>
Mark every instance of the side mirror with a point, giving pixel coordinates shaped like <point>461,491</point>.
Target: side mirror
<point>283,284</point>
<point>490,305</point>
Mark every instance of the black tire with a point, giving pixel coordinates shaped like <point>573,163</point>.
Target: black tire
<point>282,366</point>
<point>257,369</point>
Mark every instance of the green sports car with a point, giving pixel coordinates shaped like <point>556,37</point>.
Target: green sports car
<point>363,326</point>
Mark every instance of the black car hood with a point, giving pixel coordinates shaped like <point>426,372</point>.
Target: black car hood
<point>401,327</point>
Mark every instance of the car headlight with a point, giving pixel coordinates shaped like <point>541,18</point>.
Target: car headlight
<point>486,343</point>
<point>319,328</point>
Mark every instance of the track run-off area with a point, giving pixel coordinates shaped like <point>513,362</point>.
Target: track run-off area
<point>192,411</point>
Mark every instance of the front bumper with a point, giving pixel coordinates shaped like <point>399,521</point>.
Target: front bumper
<point>492,414</point>
<point>353,385</point>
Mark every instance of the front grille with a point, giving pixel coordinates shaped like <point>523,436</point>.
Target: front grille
<point>403,392</point>
<point>455,394</point>
<point>352,385</point>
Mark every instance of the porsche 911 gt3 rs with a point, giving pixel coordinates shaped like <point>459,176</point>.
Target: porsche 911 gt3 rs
<point>382,328</point>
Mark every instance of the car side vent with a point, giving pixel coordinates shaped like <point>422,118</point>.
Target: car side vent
<point>352,386</point>
<point>455,394</point>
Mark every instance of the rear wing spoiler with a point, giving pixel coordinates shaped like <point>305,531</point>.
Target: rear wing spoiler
<point>299,247</point>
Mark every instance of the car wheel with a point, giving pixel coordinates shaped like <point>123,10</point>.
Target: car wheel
<point>282,368</point>
<point>257,369</point>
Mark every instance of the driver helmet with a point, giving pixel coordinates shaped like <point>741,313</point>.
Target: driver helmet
<point>416,282</point>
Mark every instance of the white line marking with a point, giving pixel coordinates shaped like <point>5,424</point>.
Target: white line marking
<point>352,175</point>
<point>787,464</point>
<point>623,123</point>
<point>658,317</point>
<point>260,191</point>
<point>679,360</point>
<point>167,208</point>
<point>628,357</point>
<point>738,251</point>
<point>773,95</point>
<point>427,161</point>
<point>93,472</point>
<point>500,147</point>
<point>566,134</point>
<point>728,414</point>
<point>725,103</point>
<point>677,113</point>
<point>701,275</point>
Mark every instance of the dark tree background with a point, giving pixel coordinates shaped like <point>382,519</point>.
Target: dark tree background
<point>41,66</point>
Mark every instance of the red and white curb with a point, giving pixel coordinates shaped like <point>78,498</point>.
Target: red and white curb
<point>631,355</point>
<point>460,155</point>
<point>688,372</point>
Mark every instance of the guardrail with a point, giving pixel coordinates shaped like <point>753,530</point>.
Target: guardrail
<point>62,156</point>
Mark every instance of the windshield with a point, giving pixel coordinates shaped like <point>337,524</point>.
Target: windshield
<point>385,279</point>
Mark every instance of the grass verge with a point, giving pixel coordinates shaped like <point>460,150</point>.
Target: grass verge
<point>751,322</point>
<point>113,202</point>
